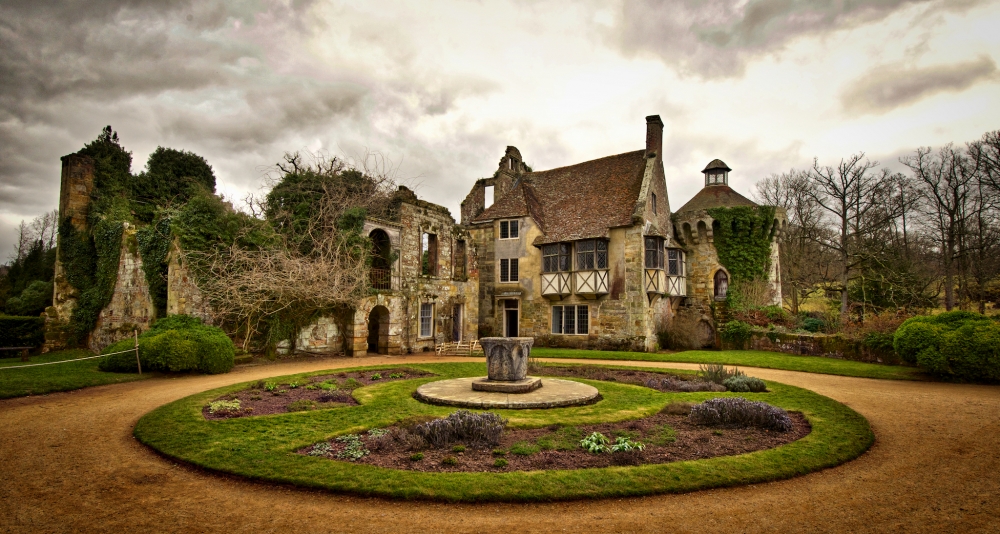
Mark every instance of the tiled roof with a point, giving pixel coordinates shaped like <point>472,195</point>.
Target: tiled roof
<point>715,196</point>
<point>580,201</point>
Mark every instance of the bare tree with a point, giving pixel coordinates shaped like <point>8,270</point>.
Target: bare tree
<point>802,260</point>
<point>947,183</point>
<point>320,261</point>
<point>859,199</point>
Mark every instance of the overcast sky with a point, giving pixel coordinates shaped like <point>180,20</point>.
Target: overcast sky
<point>441,88</point>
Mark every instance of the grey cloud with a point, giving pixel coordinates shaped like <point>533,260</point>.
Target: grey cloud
<point>886,88</point>
<point>716,38</point>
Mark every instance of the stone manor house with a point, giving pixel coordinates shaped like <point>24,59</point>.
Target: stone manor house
<point>588,255</point>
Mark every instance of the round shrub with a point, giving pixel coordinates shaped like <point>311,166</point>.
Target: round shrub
<point>174,344</point>
<point>745,384</point>
<point>813,324</point>
<point>956,344</point>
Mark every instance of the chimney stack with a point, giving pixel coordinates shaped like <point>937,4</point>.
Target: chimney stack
<point>654,136</point>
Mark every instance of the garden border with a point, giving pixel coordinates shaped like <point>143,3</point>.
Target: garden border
<point>179,431</point>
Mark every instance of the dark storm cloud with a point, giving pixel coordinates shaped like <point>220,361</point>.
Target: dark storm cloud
<point>885,88</point>
<point>716,38</point>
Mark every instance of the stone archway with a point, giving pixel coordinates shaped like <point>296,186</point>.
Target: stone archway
<point>378,330</point>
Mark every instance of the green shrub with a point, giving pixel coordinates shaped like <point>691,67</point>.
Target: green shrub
<point>500,463</point>
<point>21,331</point>
<point>736,332</point>
<point>813,324</point>
<point>745,384</point>
<point>955,344</point>
<point>174,344</point>
<point>716,372</point>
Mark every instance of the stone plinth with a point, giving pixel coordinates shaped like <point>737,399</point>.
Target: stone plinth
<point>517,386</point>
<point>507,357</point>
<point>555,393</point>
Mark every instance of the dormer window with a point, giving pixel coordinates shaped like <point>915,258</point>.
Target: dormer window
<point>509,229</point>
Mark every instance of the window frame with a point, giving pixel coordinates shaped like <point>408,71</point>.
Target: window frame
<point>570,319</point>
<point>430,320</point>
<point>432,250</point>
<point>590,260</point>
<point>556,257</point>
<point>677,262</point>
<point>655,253</point>
<point>653,195</point>
<point>511,271</point>
<point>507,225</point>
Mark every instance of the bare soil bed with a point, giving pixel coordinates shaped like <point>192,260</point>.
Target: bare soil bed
<point>657,381</point>
<point>319,392</point>
<point>667,438</point>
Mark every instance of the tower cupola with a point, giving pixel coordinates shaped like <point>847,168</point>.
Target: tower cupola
<point>716,173</point>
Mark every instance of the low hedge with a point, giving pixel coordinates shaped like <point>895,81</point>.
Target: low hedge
<point>16,331</point>
<point>175,343</point>
<point>957,344</point>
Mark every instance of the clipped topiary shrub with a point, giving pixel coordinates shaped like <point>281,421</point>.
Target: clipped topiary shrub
<point>957,344</point>
<point>745,384</point>
<point>174,344</point>
<point>740,412</point>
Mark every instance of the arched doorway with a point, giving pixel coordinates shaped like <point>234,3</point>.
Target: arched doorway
<point>381,270</point>
<point>378,330</point>
<point>721,285</point>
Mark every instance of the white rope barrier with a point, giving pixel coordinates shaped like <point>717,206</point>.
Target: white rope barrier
<point>67,361</point>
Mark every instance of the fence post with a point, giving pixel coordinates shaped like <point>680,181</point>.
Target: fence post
<point>139,363</point>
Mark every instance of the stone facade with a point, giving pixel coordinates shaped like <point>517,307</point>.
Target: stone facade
<point>694,230</point>
<point>552,207</point>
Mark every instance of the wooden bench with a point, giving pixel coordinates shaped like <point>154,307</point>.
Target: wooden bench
<point>458,348</point>
<point>24,351</point>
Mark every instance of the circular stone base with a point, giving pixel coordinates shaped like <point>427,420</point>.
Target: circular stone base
<point>517,386</point>
<point>553,393</point>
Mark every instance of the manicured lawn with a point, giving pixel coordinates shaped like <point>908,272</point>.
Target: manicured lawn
<point>749,358</point>
<point>264,447</point>
<point>57,377</point>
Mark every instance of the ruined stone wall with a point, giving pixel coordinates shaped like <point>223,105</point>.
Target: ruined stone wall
<point>75,185</point>
<point>445,289</point>
<point>183,295</point>
<point>131,308</point>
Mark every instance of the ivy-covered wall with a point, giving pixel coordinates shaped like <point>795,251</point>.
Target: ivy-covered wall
<point>743,236</point>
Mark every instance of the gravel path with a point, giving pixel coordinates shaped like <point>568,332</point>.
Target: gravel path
<point>69,464</point>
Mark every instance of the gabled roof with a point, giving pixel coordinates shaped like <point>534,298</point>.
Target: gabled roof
<point>715,196</point>
<point>580,201</point>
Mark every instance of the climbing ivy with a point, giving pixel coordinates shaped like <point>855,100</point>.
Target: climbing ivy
<point>90,261</point>
<point>743,240</point>
<point>154,244</point>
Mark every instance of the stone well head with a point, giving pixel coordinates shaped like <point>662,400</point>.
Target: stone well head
<point>507,357</point>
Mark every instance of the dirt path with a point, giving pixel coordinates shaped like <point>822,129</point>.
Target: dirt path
<point>69,464</point>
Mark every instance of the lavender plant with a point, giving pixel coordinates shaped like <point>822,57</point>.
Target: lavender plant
<point>717,373</point>
<point>684,386</point>
<point>740,412</point>
<point>463,426</point>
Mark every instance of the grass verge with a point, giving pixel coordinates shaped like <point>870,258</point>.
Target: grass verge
<point>264,447</point>
<point>749,358</point>
<point>57,377</point>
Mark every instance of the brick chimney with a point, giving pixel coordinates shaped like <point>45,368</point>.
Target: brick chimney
<point>654,136</point>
